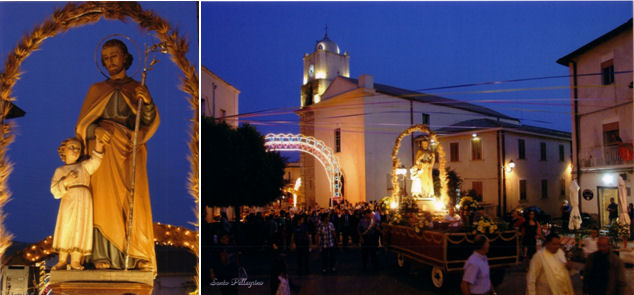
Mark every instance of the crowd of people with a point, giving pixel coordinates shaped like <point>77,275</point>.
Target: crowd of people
<point>276,231</point>
<point>344,226</point>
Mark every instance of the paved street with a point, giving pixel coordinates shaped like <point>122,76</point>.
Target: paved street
<point>351,279</point>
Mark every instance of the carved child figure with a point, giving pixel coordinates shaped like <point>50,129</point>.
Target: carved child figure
<point>71,183</point>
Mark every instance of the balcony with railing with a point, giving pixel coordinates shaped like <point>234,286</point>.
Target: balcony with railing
<point>607,156</point>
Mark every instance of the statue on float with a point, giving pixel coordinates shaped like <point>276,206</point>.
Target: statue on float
<point>430,154</point>
<point>421,171</point>
<point>115,228</point>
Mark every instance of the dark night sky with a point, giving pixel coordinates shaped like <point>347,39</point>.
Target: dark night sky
<point>258,47</point>
<point>51,91</point>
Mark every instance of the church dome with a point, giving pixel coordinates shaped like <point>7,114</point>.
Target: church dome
<point>327,45</point>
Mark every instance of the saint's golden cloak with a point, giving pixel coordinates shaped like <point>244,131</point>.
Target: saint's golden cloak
<point>110,183</point>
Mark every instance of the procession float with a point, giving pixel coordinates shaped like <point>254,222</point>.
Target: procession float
<point>425,228</point>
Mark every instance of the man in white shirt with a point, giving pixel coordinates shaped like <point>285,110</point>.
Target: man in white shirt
<point>476,280</point>
<point>452,218</point>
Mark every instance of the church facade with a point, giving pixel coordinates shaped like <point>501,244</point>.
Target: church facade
<point>360,120</point>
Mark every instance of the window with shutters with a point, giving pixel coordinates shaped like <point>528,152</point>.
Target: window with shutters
<point>521,144</point>
<point>425,118</point>
<point>477,187</point>
<point>338,140</point>
<point>476,149</point>
<point>454,149</point>
<point>607,72</point>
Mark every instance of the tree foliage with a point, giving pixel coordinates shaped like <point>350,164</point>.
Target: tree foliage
<point>453,185</point>
<point>453,182</point>
<point>236,168</point>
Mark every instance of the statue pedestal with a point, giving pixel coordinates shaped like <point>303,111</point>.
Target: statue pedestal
<point>103,282</point>
<point>426,204</point>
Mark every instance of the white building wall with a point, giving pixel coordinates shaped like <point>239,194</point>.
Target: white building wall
<point>382,127</point>
<point>329,116</point>
<point>599,105</point>
<point>292,172</point>
<point>224,97</point>
<point>594,181</point>
<point>469,170</point>
<point>533,170</point>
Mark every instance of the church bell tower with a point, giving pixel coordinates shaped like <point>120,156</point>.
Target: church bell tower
<point>320,68</point>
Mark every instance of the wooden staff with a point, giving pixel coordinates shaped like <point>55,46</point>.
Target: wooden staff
<point>160,47</point>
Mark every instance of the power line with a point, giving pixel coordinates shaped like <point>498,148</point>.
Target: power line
<point>516,80</point>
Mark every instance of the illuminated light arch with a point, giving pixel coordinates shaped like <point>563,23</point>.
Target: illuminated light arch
<point>314,147</point>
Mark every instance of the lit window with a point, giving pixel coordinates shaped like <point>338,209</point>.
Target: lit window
<point>476,149</point>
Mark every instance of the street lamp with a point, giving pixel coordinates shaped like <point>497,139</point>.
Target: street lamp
<point>401,172</point>
<point>510,166</point>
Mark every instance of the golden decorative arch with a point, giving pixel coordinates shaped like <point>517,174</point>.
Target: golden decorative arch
<point>74,15</point>
<point>396,162</point>
<point>164,235</point>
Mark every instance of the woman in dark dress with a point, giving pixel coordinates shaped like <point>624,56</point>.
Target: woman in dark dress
<point>530,233</point>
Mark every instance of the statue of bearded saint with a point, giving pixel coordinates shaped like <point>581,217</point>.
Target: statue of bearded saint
<point>110,105</point>
<point>421,172</point>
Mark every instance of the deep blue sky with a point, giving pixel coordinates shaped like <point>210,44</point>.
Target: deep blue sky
<point>51,91</point>
<point>258,47</point>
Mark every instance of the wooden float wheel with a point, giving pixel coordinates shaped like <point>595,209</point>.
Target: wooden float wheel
<point>400,260</point>
<point>438,277</point>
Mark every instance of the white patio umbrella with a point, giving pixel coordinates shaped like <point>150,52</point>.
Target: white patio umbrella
<point>624,218</point>
<point>575,217</point>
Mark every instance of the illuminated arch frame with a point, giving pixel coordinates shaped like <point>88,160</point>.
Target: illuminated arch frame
<point>396,162</point>
<point>314,147</point>
<point>74,15</point>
